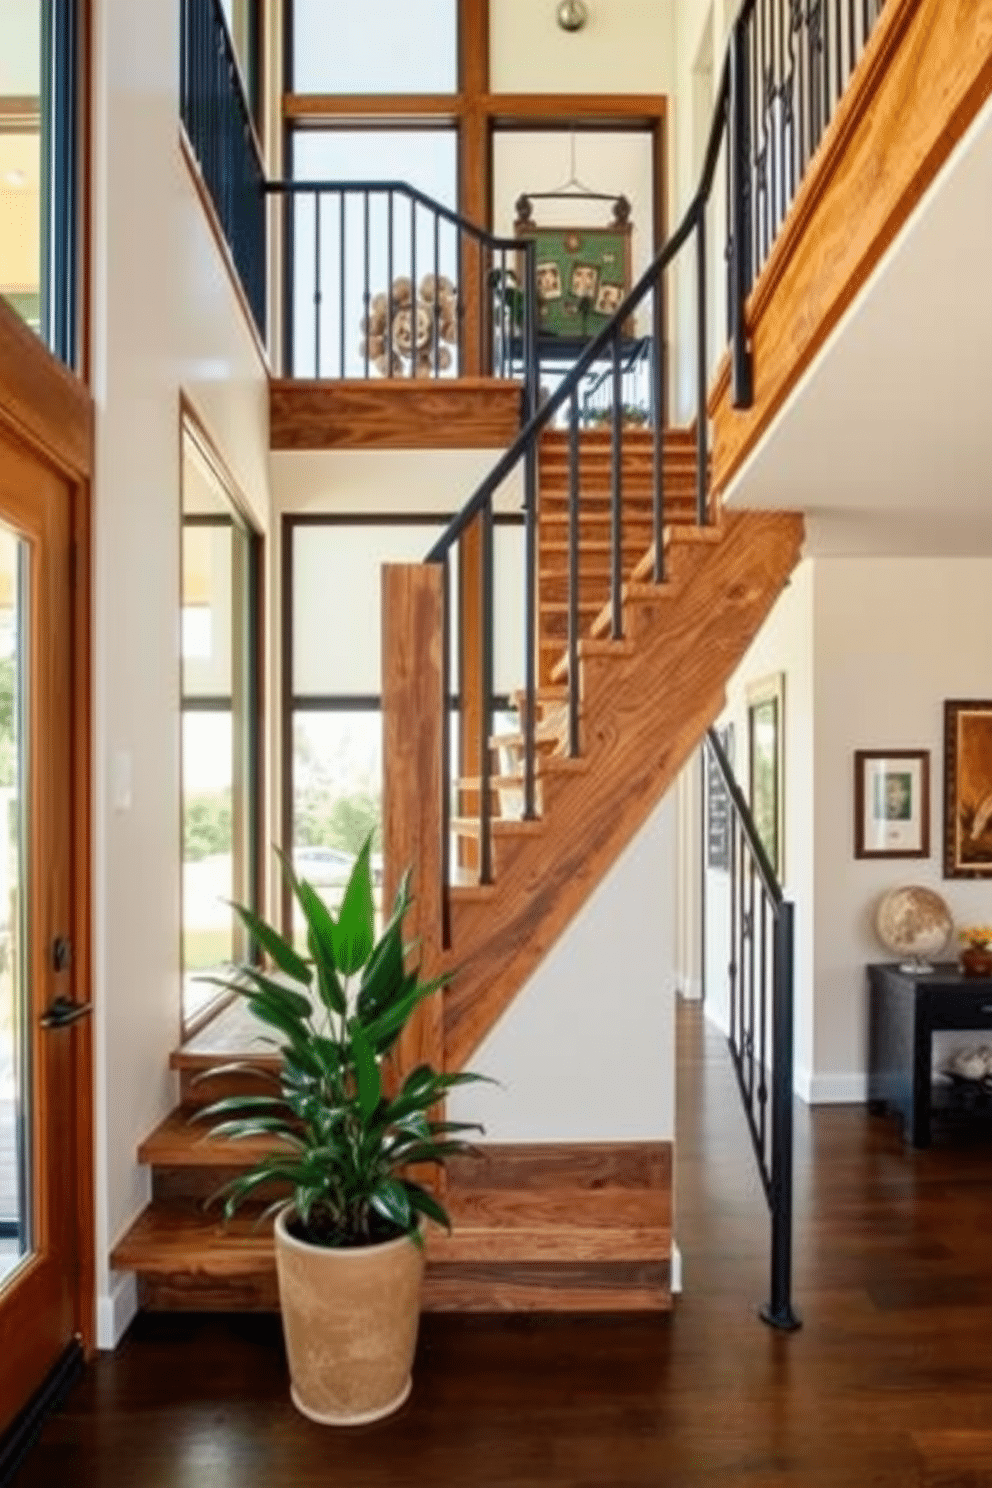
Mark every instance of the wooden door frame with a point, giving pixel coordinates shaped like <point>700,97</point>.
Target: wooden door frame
<point>49,412</point>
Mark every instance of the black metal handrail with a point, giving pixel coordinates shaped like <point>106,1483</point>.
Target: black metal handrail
<point>409,315</point>
<point>217,118</point>
<point>761,980</point>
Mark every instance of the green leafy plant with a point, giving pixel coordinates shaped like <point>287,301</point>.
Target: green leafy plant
<point>341,1145</point>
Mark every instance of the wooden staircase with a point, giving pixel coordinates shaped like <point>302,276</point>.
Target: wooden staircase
<point>569,1227</point>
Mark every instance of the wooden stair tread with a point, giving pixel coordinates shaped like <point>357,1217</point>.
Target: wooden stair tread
<point>488,1225</point>
<point>234,1034</point>
<point>179,1140</point>
<point>502,826</point>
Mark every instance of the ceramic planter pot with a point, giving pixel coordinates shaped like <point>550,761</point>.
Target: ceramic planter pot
<point>350,1321</point>
<point>976,961</point>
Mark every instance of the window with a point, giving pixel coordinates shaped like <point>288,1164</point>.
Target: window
<point>333,702</point>
<point>220,858</point>
<point>38,167</point>
<point>380,46</point>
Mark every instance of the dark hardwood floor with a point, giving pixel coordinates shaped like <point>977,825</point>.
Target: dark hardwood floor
<point>888,1385</point>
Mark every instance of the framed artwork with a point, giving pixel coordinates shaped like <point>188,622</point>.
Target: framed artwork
<point>968,789</point>
<point>718,805</point>
<point>766,765</point>
<point>892,803</point>
<point>583,273</point>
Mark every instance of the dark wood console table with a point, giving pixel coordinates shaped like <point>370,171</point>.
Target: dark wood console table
<point>904,1010</point>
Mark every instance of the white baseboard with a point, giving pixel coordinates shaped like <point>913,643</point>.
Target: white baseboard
<point>715,1018</point>
<point>116,1311</point>
<point>690,989</point>
<point>675,1272</point>
<point>850,1089</point>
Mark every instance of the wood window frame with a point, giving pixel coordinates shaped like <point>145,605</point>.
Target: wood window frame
<point>475,113</point>
<point>192,426</point>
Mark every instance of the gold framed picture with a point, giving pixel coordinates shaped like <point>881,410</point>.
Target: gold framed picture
<point>766,765</point>
<point>967,789</point>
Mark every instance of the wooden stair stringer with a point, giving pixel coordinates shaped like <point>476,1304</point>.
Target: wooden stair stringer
<point>644,713</point>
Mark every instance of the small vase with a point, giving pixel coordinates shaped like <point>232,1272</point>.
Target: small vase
<point>976,961</point>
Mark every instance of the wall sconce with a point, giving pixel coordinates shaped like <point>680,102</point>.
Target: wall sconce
<point>572,15</point>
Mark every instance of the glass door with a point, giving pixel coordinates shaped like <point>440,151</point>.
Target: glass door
<point>44,1048</point>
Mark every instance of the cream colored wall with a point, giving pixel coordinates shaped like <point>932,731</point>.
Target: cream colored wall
<point>626,47</point>
<point>895,637</point>
<point>165,320</point>
<point>586,1052</point>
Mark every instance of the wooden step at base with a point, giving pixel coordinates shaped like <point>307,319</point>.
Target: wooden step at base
<point>570,1227</point>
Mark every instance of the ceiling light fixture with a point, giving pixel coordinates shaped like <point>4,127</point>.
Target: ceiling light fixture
<point>572,15</point>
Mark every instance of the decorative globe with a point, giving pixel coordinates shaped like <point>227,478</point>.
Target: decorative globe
<point>916,923</point>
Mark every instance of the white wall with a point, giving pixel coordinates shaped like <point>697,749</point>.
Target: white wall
<point>894,638</point>
<point>627,47</point>
<point>586,1052</point>
<point>165,318</point>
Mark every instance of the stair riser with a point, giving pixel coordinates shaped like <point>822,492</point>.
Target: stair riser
<point>194,1181</point>
<point>194,1096</point>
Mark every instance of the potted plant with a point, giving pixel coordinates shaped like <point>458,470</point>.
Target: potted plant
<point>349,1228</point>
<point>976,950</point>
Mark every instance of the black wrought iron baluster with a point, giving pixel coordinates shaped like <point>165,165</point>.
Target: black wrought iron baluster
<point>436,301</point>
<point>530,563</point>
<point>779,1312</point>
<point>763,1052</point>
<point>732,963</point>
<point>766,176</point>
<point>658,424</point>
<point>499,300</point>
<point>802,90</point>
<point>483,282</point>
<point>752,998</point>
<point>852,53</point>
<point>789,122</point>
<point>316,285</point>
<point>342,226</point>
<point>366,291</point>
<point>774,133</point>
<point>388,349</point>
<point>485,730</point>
<point>746,1026</point>
<point>750,27</point>
<point>825,33</point>
<point>412,302</point>
<point>573,574</point>
<point>702,421</point>
<point>447,780</point>
<point>740,230</point>
<point>616,497</point>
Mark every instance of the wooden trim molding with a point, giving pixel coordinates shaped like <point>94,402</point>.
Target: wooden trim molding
<point>455,413</point>
<point>41,401</point>
<point>925,74</point>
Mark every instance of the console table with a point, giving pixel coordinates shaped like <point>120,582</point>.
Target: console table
<point>904,1010</point>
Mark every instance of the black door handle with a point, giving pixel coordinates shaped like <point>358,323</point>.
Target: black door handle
<point>63,1012</point>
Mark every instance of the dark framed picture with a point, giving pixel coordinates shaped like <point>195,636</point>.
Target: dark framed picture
<point>718,805</point>
<point>766,765</point>
<point>967,789</point>
<point>583,274</point>
<point>892,803</point>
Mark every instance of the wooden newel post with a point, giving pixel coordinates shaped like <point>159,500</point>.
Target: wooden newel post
<point>413,723</point>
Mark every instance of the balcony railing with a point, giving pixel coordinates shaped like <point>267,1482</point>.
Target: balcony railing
<point>384,281</point>
<point>217,119</point>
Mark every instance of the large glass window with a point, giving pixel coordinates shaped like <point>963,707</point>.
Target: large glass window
<point>335,719</point>
<point>219,728</point>
<point>380,46</point>
<point>38,61</point>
